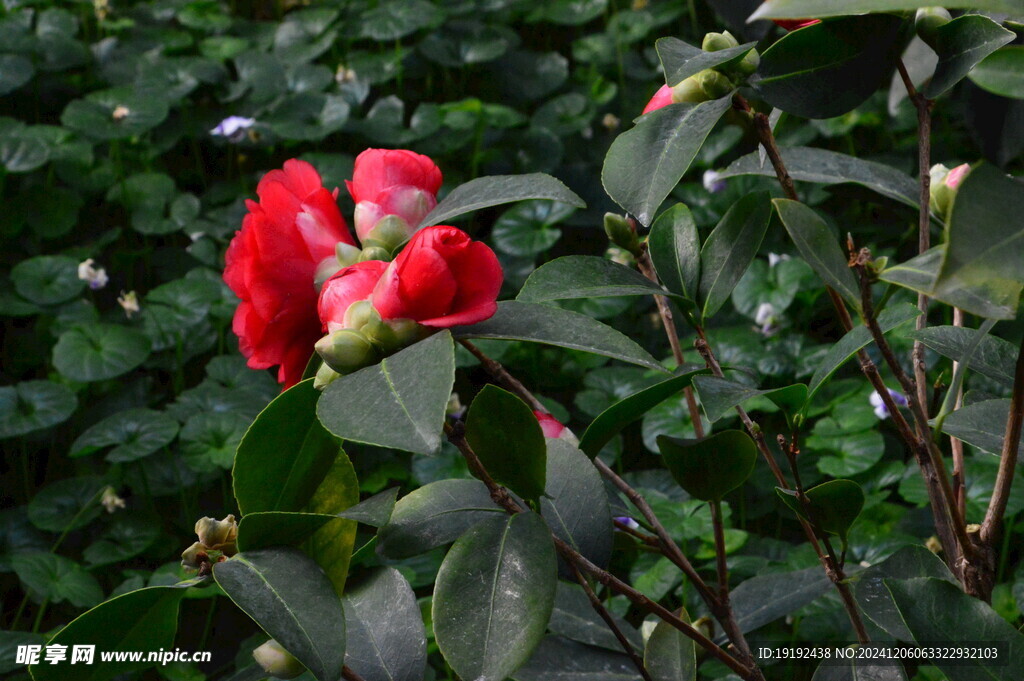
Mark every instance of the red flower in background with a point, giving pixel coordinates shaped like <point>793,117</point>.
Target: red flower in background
<point>793,24</point>
<point>271,264</point>
<point>549,425</point>
<point>442,278</point>
<point>392,182</point>
<point>661,98</point>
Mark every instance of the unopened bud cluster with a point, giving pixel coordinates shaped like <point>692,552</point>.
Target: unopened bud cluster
<point>364,340</point>
<point>927,22</point>
<point>720,80</point>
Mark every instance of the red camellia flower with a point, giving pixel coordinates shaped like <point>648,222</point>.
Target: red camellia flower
<point>661,98</point>
<point>442,278</point>
<point>549,425</point>
<point>392,182</point>
<point>793,24</point>
<point>271,264</point>
<point>350,285</point>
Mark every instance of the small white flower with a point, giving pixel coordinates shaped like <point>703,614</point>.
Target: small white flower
<point>120,112</point>
<point>882,411</point>
<point>345,75</point>
<point>713,181</point>
<point>95,276</point>
<point>765,318</point>
<point>111,501</point>
<point>774,259</point>
<point>234,128</point>
<point>628,522</point>
<point>611,121</point>
<point>129,302</point>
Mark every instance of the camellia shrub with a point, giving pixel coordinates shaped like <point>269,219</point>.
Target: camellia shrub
<point>763,425</point>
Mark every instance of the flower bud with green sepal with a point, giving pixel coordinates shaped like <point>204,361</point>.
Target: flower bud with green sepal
<point>945,183</point>
<point>688,91</point>
<point>325,375</point>
<point>715,42</point>
<point>714,84</point>
<point>390,233</point>
<point>346,350</point>
<point>621,232</point>
<point>374,253</point>
<point>927,22</point>
<point>276,661</point>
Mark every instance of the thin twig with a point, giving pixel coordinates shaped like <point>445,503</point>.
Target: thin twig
<point>499,372</point>
<point>349,674</point>
<point>602,611</point>
<point>1008,457</point>
<point>720,562</point>
<point>955,443</point>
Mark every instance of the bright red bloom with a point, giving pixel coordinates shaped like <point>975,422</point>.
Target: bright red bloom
<point>793,24</point>
<point>392,182</point>
<point>271,264</point>
<point>350,285</point>
<point>661,98</point>
<point>442,278</point>
<point>549,425</point>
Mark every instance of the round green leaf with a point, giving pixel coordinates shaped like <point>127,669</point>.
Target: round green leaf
<point>209,441</point>
<point>1002,72</point>
<point>57,578</point>
<point>494,595</point>
<point>529,227</point>
<point>95,117</point>
<point>134,433</point>
<point>708,469</point>
<point>127,536</point>
<point>96,352</point>
<point>15,71</point>
<point>66,504</point>
<point>834,505</point>
<point>34,405</point>
<point>47,279</point>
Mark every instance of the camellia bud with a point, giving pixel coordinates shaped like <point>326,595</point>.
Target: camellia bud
<point>218,535</point>
<point>714,42</point>
<point>621,233</point>
<point>327,268</point>
<point>751,60</point>
<point>945,183</point>
<point>389,233</point>
<point>688,91</point>
<point>927,23</point>
<point>374,253</point>
<point>277,661</point>
<point>714,84</point>
<point>346,350</point>
<point>347,254</point>
<point>393,334</point>
<point>359,315</point>
<point>325,375</point>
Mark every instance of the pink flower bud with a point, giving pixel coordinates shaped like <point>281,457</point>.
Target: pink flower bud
<point>549,425</point>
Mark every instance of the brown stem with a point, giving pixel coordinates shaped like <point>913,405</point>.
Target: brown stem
<point>349,674</point>
<point>502,498</point>
<point>602,611</point>
<point>1008,457</point>
<point>646,267</point>
<point>500,374</point>
<point>720,562</point>
<point>955,443</point>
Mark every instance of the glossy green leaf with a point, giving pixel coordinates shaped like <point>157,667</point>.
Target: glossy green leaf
<point>47,279</point>
<point>284,455</point>
<point>133,434</point>
<point>982,246</point>
<point>935,610</point>
<point>528,228</point>
<point>569,12</point>
<point>56,578</point>
<point>646,162</point>
<point>858,670</point>
<point>674,247</point>
<point>961,44</point>
<point>993,357</point>
<point>386,638</point>
<point>730,248</point>
<point>559,659</point>
<point>94,116</point>
<point>434,515</point>
<point>66,504</point>
<point>144,619</point>
<point>584,276</point>
<point>332,545</point>
<point>765,598</point>
<point>544,324</point>
<point>819,247</point>
<point>125,537</point>
<point>842,449</point>
<point>494,595</point>
<point>980,424</point>
<point>822,166</point>
<point>505,435</point>
<point>290,597</point>
<point>402,402</point>
<point>1002,72</point>
<point>874,598</point>
<point>798,9</point>
<point>831,67</point>
<point>833,505</point>
<point>708,469</point>
<point>630,409</point>
<point>719,395</point>
<point>575,618</point>
<point>34,405</point>
<point>856,339</point>
<point>15,71</point>
<point>269,529</point>
<point>496,190</point>
<point>575,504</point>
<point>96,352</point>
<point>396,19</point>
<point>375,511</point>
<point>680,60</point>
<point>670,655</point>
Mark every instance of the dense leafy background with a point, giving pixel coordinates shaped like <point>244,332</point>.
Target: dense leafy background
<point>156,404</point>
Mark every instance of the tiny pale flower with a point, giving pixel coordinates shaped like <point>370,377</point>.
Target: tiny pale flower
<point>765,318</point>
<point>233,128</point>
<point>129,302</point>
<point>120,112</point>
<point>611,121</point>
<point>774,259</point>
<point>628,522</point>
<point>111,501</point>
<point>96,277</point>
<point>713,181</point>
<point>882,411</point>
<point>345,75</point>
